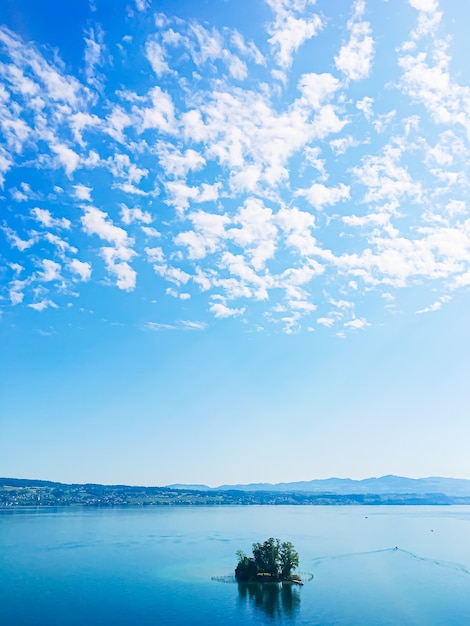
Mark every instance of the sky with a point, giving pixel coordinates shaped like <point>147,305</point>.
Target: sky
<point>234,240</point>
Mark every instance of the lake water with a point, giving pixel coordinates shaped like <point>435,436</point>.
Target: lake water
<point>142,566</point>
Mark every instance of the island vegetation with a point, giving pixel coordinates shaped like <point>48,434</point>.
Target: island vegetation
<point>272,561</point>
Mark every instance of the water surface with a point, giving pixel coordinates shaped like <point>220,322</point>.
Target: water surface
<point>155,565</point>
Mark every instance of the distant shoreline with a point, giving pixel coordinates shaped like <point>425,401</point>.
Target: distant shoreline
<point>30,493</point>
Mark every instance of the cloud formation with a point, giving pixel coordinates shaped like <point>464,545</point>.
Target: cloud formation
<point>267,181</point>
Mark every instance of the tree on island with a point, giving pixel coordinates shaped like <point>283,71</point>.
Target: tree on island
<point>271,561</point>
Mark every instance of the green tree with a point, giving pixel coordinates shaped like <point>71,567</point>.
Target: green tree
<point>289,559</point>
<point>246,568</point>
<point>271,559</point>
<point>267,556</point>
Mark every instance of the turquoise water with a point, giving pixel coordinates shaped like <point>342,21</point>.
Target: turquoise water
<point>142,566</point>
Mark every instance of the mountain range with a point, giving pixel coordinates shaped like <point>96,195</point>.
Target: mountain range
<point>343,486</point>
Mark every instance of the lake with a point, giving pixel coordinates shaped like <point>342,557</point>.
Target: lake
<point>156,565</point>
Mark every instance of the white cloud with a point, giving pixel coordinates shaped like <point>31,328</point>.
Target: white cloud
<point>5,164</point>
<point>94,56</point>
<point>16,297</point>
<point>24,193</point>
<point>156,55</point>
<point>355,58</point>
<point>142,5</point>
<point>221,310</point>
<point>365,105</point>
<point>56,86</point>
<point>61,245</point>
<point>320,195</point>
<point>192,325</point>
<point>435,306</point>
<point>247,49</point>
<point>82,192</point>
<point>155,255</point>
<point>161,115</point>
<point>288,32</point>
<point>327,122</point>
<point>42,305</point>
<point>121,167</point>
<point>180,195</point>
<point>175,294</point>
<point>326,321</point>
<point>51,270</point>
<point>44,217</point>
<point>456,207</point>
<point>370,220</point>
<point>209,44</point>
<point>342,144</point>
<point>179,325</point>
<point>116,263</point>
<point>382,121</point>
<point>207,236</point>
<point>341,304</point>
<point>131,189</point>
<point>156,326</point>
<point>16,241</point>
<point>136,214</point>
<point>117,122</point>
<point>67,157</point>
<point>16,267</point>
<point>357,324</point>
<point>237,67</point>
<point>16,288</point>
<point>80,121</point>
<point>173,274</point>
<point>150,231</point>
<point>254,230</point>
<point>318,88</point>
<point>427,80</point>
<point>96,222</point>
<point>116,258</point>
<point>297,226</point>
<point>428,6</point>
<point>385,179</point>
<point>81,268</point>
<point>177,164</point>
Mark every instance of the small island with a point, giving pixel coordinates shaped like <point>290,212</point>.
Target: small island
<point>272,561</point>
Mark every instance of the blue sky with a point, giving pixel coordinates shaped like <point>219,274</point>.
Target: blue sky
<point>234,240</point>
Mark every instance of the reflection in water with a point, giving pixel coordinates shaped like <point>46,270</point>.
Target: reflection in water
<point>274,599</point>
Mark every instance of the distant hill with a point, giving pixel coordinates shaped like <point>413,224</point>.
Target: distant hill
<point>189,487</point>
<point>16,492</point>
<point>384,485</point>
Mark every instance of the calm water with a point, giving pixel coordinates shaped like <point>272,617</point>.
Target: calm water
<point>371,565</point>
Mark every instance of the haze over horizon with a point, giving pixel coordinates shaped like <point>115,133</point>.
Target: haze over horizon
<point>235,240</point>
